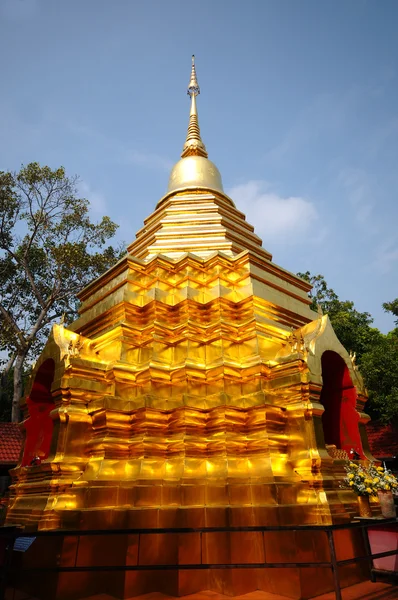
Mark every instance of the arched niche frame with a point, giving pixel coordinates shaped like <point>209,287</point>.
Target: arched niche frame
<point>342,394</point>
<point>38,405</point>
<point>47,417</point>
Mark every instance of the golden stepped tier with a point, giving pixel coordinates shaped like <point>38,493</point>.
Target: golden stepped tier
<point>198,222</point>
<point>174,285</point>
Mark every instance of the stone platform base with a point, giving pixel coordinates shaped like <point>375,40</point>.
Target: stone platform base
<point>184,563</point>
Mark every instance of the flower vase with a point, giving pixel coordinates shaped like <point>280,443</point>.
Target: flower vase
<point>387,505</point>
<point>364,506</point>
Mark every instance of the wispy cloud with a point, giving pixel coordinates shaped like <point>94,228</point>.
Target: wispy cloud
<point>277,218</point>
<point>326,113</point>
<point>381,136</point>
<point>330,114</point>
<point>99,208</point>
<point>18,9</point>
<point>122,152</point>
<point>148,160</point>
<point>359,187</point>
<point>386,256</point>
<point>97,199</point>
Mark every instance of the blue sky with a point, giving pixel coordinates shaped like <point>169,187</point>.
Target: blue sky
<point>298,109</point>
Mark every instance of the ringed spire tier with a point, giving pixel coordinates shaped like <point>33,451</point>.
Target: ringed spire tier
<point>193,144</point>
<point>194,170</point>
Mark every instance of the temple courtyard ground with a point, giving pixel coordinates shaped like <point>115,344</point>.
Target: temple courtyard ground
<point>361,591</point>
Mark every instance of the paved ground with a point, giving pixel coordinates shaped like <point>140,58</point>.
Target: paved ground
<point>361,591</point>
<point>366,591</point>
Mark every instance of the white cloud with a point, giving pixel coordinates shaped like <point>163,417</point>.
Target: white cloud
<point>276,218</point>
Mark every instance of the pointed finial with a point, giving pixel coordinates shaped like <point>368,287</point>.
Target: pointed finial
<point>193,144</point>
<point>193,87</point>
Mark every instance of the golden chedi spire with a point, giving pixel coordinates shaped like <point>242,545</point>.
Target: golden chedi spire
<point>195,215</point>
<point>193,144</point>
<point>194,170</point>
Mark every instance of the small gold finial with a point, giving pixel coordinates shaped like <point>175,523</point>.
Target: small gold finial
<point>193,144</point>
<point>193,87</point>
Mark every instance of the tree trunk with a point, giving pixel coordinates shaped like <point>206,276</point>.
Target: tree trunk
<point>6,370</point>
<point>18,371</point>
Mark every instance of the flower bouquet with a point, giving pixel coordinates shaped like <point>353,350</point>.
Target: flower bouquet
<point>360,481</point>
<point>385,485</point>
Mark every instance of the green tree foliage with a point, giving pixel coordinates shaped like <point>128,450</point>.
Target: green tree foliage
<point>49,250</point>
<point>379,367</point>
<point>377,354</point>
<point>353,328</point>
<point>392,307</point>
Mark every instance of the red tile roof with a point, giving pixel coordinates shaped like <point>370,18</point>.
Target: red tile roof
<point>383,439</point>
<point>11,440</point>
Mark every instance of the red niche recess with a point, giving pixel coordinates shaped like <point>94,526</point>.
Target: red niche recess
<point>39,424</point>
<point>338,396</point>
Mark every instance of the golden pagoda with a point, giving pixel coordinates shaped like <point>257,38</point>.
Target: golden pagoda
<point>196,389</point>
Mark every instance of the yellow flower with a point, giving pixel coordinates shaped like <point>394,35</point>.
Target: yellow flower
<point>376,480</point>
<point>351,476</point>
<point>380,469</point>
<point>362,475</point>
<point>369,490</point>
<point>387,487</point>
<point>351,483</point>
